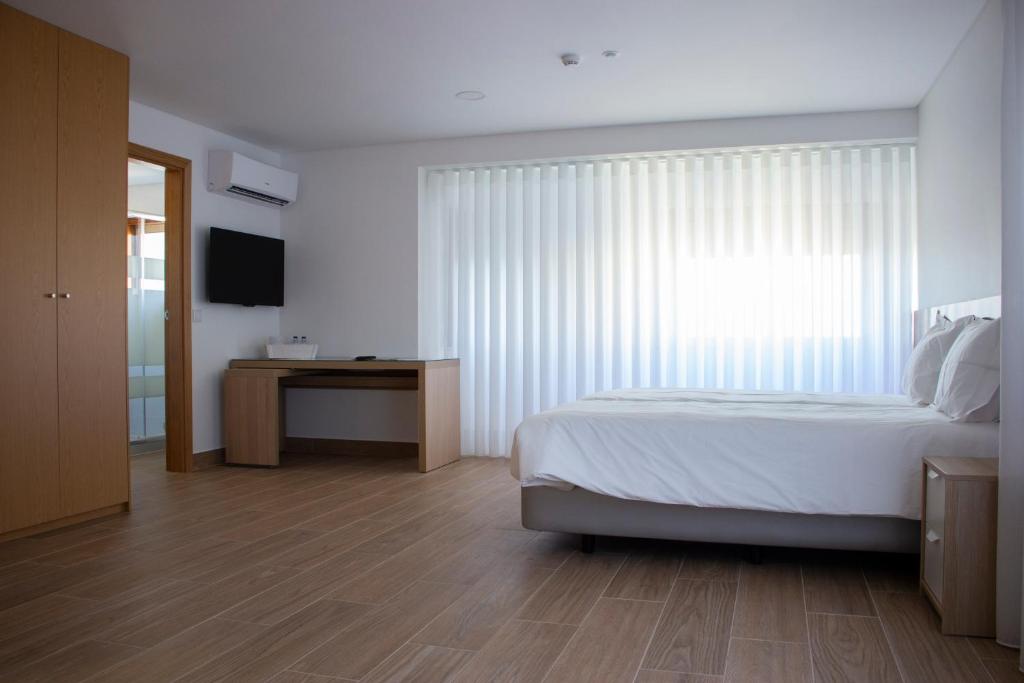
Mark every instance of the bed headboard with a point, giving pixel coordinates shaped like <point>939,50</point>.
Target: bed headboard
<point>989,307</point>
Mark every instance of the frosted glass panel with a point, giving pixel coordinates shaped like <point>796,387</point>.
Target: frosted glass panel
<point>146,268</point>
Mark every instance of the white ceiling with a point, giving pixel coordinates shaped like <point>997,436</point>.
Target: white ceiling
<point>308,74</point>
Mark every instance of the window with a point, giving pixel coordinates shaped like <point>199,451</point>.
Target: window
<point>787,268</point>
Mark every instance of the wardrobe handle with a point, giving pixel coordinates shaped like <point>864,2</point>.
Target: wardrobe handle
<point>65,295</point>
<point>50,295</point>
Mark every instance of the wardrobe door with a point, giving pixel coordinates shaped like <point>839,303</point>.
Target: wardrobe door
<point>92,186</point>
<point>29,472</point>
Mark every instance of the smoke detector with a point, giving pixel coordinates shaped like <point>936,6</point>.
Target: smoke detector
<point>570,59</point>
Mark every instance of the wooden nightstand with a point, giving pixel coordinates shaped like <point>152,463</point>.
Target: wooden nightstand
<point>958,542</point>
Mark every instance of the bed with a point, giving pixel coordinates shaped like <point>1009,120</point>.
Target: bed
<point>835,471</point>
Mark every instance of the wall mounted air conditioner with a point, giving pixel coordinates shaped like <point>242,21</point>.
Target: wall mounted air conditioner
<point>234,175</point>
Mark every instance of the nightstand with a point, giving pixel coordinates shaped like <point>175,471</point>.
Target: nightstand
<point>958,542</point>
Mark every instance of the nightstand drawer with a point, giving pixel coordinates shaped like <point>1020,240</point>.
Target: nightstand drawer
<point>934,528</point>
<point>932,560</point>
<point>935,500</point>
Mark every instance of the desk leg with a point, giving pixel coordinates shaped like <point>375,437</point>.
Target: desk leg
<point>253,409</point>
<point>439,428</point>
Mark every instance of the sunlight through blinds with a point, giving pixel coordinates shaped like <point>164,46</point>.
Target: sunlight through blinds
<point>785,268</point>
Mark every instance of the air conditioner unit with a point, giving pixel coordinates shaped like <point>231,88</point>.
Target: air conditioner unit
<point>232,174</point>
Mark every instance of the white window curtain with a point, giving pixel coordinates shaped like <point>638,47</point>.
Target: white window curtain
<point>784,268</point>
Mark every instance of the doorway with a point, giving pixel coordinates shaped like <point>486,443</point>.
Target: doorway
<point>146,287</point>
<point>158,249</point>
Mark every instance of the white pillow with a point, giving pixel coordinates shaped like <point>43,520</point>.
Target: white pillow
<point>968,388</point>
<point>921,375</point>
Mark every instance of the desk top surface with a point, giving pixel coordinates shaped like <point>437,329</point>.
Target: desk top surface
<point>329,363</point>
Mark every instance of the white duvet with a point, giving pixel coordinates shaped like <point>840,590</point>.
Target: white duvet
<point>837,454</point>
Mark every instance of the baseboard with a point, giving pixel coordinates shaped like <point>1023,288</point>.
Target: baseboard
<point>64,521</point>
<point>307,445</point>
<point>206,459</point>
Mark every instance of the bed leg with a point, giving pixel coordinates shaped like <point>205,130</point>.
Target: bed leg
<point>754,554</point>
<point>587,543</point>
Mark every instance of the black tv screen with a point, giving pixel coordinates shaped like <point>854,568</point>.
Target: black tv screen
<point>245,269</point>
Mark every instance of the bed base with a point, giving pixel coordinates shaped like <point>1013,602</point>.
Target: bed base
<point>579,511</point>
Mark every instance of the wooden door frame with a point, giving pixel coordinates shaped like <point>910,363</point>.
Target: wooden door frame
<point>177,301</point>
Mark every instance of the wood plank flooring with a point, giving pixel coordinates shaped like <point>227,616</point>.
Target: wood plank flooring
<point>359,568</point>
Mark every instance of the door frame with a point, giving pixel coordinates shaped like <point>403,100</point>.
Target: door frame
<point>177,301</point>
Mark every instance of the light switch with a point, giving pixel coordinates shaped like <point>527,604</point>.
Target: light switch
<point>197,315</point>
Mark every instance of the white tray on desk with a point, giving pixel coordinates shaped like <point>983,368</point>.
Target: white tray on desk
<point>292,351</point>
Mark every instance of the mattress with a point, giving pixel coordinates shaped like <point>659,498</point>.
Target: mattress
<point>837,454</point>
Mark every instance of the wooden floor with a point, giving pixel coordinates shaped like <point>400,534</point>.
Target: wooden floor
<point>331,569</point>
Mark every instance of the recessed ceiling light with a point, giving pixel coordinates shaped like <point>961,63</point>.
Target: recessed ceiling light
<point>470,95</point>
<point>610,54</point>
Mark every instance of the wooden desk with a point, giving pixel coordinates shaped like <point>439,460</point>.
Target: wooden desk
<point>254,402</point>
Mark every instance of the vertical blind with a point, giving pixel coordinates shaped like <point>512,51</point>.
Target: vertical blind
<point>779,268</point>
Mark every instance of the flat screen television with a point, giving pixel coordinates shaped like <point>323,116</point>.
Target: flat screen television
<point>244,269</point>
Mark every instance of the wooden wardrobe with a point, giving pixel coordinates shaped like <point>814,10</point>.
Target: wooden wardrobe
<point>63,361</point>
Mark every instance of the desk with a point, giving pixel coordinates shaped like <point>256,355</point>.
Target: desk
<point>254,402</point>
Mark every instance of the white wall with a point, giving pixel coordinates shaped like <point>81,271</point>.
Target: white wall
<point>968,249</point>
<point>1011,427</point>
<point>958,170</point>
<point>225,331</point>
<point>351,255</point>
